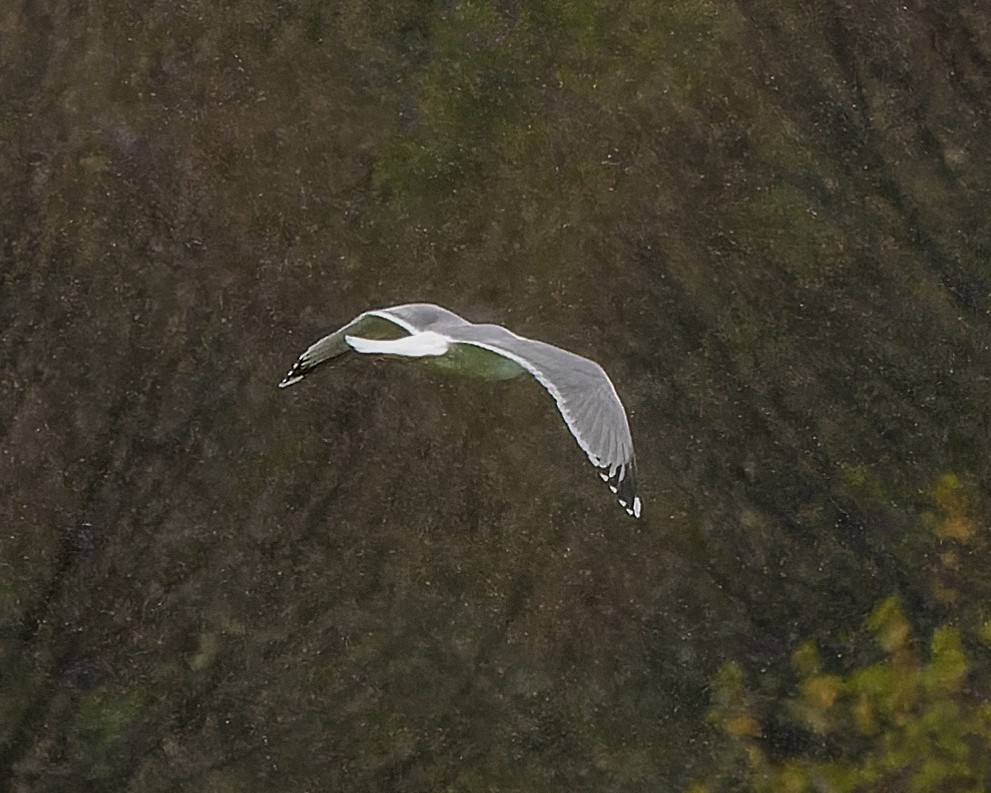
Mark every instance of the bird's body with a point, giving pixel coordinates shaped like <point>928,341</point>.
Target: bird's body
<point>583,392</point>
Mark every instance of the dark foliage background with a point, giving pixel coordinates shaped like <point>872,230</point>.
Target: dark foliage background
<point>769,222</point>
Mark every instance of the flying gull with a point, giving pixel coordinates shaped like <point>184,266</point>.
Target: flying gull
<point>584,394</point>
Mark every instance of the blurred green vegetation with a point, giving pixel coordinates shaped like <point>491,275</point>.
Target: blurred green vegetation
<point>888,709</point>
<point>536,101</point>
<point>103,719</point>
<point>911,721</point>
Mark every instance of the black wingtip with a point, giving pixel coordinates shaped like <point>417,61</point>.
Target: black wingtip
<point>294,375</point>
<point>633,510</point>
<point>622,481</point>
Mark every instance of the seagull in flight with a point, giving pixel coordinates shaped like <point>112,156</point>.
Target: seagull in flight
<point>583,392</point>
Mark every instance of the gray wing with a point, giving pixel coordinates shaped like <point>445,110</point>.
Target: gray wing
<point>585,396</point>
<point>410,317</point>
<point>375,322</point>
<point>422,316</point>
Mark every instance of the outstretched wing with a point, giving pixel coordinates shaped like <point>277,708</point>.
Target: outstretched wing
<point>585,396</point>
<point>371,323</point>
